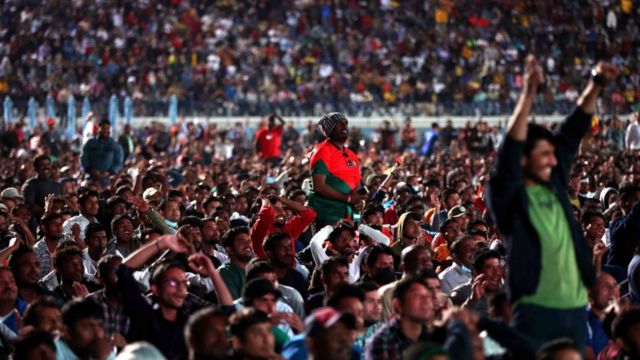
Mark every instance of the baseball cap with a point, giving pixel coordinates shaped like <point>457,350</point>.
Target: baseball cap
<point>457,211</point>
<point>51,121</point>
<point>11,193</point>
<point>257,288</point>
<point>325,317</point>
<point>149,193</point>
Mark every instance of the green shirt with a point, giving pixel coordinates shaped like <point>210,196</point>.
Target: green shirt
<point>560,285</point>
<point>234,277</point>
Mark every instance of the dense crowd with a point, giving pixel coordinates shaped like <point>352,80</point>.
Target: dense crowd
<point>198,242</point>
<point>308,57</point>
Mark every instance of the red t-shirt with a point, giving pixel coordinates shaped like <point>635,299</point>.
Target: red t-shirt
<point>269,142</point>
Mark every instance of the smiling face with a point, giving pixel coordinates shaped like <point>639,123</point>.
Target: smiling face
<point>172,290</point>
<point>539,163</point>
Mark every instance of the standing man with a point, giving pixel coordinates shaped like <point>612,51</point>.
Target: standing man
<point>527,196</point>
<point>102,156</point>
<point>632,135</point>
<point>335,171</point>
<point>269,140</point>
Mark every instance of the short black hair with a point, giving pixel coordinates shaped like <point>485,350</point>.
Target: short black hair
<point>586,217</point>
<point>331,263</point>
<point>270,242</point>
<point>443,226</point>
<point>247,317</point>
<point>119,218</point>
<point>372,210</point>
<point>92,229</point>
<point>448,192</point>
<point>86,195</point>
<point>536,133</point>
<point>627,192</point>
<point>198,319</point>
<point>367,286</point>
<point>374,252</point>
<point>103,264</point>
<point>551,348</point>
<point>343,291</point>
<point>255,268</point>
<point>30,342</point>
<point>64,252</point>
<point>38,159</point>
<point>79,309</point>
<point>335,234</point>
<point>47,218</point>
<point>158,272</point>
<point>20,251</point>
<point>481,257</point>
<point>229,238</point>
<point>32,315</point>
<point>191,220</point>
<point>403,286</point>
<point>456,245</point>
<point>624,322</point>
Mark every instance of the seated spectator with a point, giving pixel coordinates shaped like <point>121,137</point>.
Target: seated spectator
<point>237,244</point>
<point>463,250</point>
<point>206,334</point>
<point>333,272</point>
<point>26,271</point>
<point>35,346</point>
<point>487,280</point>
<point>252,336</point>
<point>44,315</point>
<point>73,282</point>
<point>83,335</point>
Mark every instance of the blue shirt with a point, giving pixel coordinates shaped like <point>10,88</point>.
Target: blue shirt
<point>597,339</point>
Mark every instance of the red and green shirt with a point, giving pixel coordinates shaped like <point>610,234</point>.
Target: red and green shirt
<point>342,169</point>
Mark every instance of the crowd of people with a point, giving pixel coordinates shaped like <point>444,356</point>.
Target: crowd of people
<point>309,57</point>
<point>201,242</point>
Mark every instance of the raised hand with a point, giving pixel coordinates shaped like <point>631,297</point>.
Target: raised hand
<point>533,75</point>
<point>608,70</point>
<point>175,243</point>
<point>140,204</point>
<point>201,264</point>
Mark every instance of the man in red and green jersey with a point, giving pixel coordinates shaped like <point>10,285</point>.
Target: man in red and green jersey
<point>335,172</point>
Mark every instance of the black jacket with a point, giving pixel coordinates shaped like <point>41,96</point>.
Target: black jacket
<point>508,203</point>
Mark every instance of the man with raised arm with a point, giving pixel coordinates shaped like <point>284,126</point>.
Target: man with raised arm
<point>549,261</point>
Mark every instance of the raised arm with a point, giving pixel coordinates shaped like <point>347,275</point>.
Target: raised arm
<point>150,250</point>
<point>517,126</point>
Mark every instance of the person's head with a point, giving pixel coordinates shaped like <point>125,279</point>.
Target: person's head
<point>44,315</point>
<point>4,222</point>
<point>626,332</point>
<point>604,293</point>
<point>411,228</point>
<point>190,227</point>
<point>107,267</point>
<point>488,263</point>
<point>35,346</point>
<point>8,287</point>
<point>251,333</point>
<point>95,236</point>
<point>25,266</point>
<point>237,243</point>
<point>460,215</point>
<point>412,300</point>
<point>559,349</point>
<point>83,326</point>
<point>379,264</point>
<point>347,298</point>
<point>334,271</point>
<point>169,285</point>
<point>463,250</point>
<point>450,198</point>
<point>277,246</point>
<point>593,224</point>
<point>373,216</point>
<point>210,233</point>
<point>341,239</point>
<point>334,126</point>
<point>67,260</point>
<point>89,205</point>
<point>329,334</point>
<point>434,285</point>
<point>117,205</point>
<point>628,196</point>
<point>450,230</point>
<point>42,165</point>
<point>539,158</point>
<point>206,334</point>
<point>51,226</point>
<point>261,294</point>
<point>372,303</point>
<point>170,209</point>
<point>105,129</point>
<point>122,228</point>
<point>279,211</point>
<point>415,258</point>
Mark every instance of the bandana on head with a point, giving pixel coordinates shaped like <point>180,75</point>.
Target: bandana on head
<point>328,122</point>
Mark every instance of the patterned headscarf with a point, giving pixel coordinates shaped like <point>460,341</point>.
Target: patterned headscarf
<point>328,122</point>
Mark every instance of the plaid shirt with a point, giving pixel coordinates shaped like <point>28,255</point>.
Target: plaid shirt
<point>44,256</point>
<point>115,319</point>
<point>389,342</point>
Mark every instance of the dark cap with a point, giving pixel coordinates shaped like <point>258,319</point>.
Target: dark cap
<point>325,317</point>
<point>257,288</point>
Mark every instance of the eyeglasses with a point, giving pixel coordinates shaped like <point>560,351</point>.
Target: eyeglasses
<point>177,283</point>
